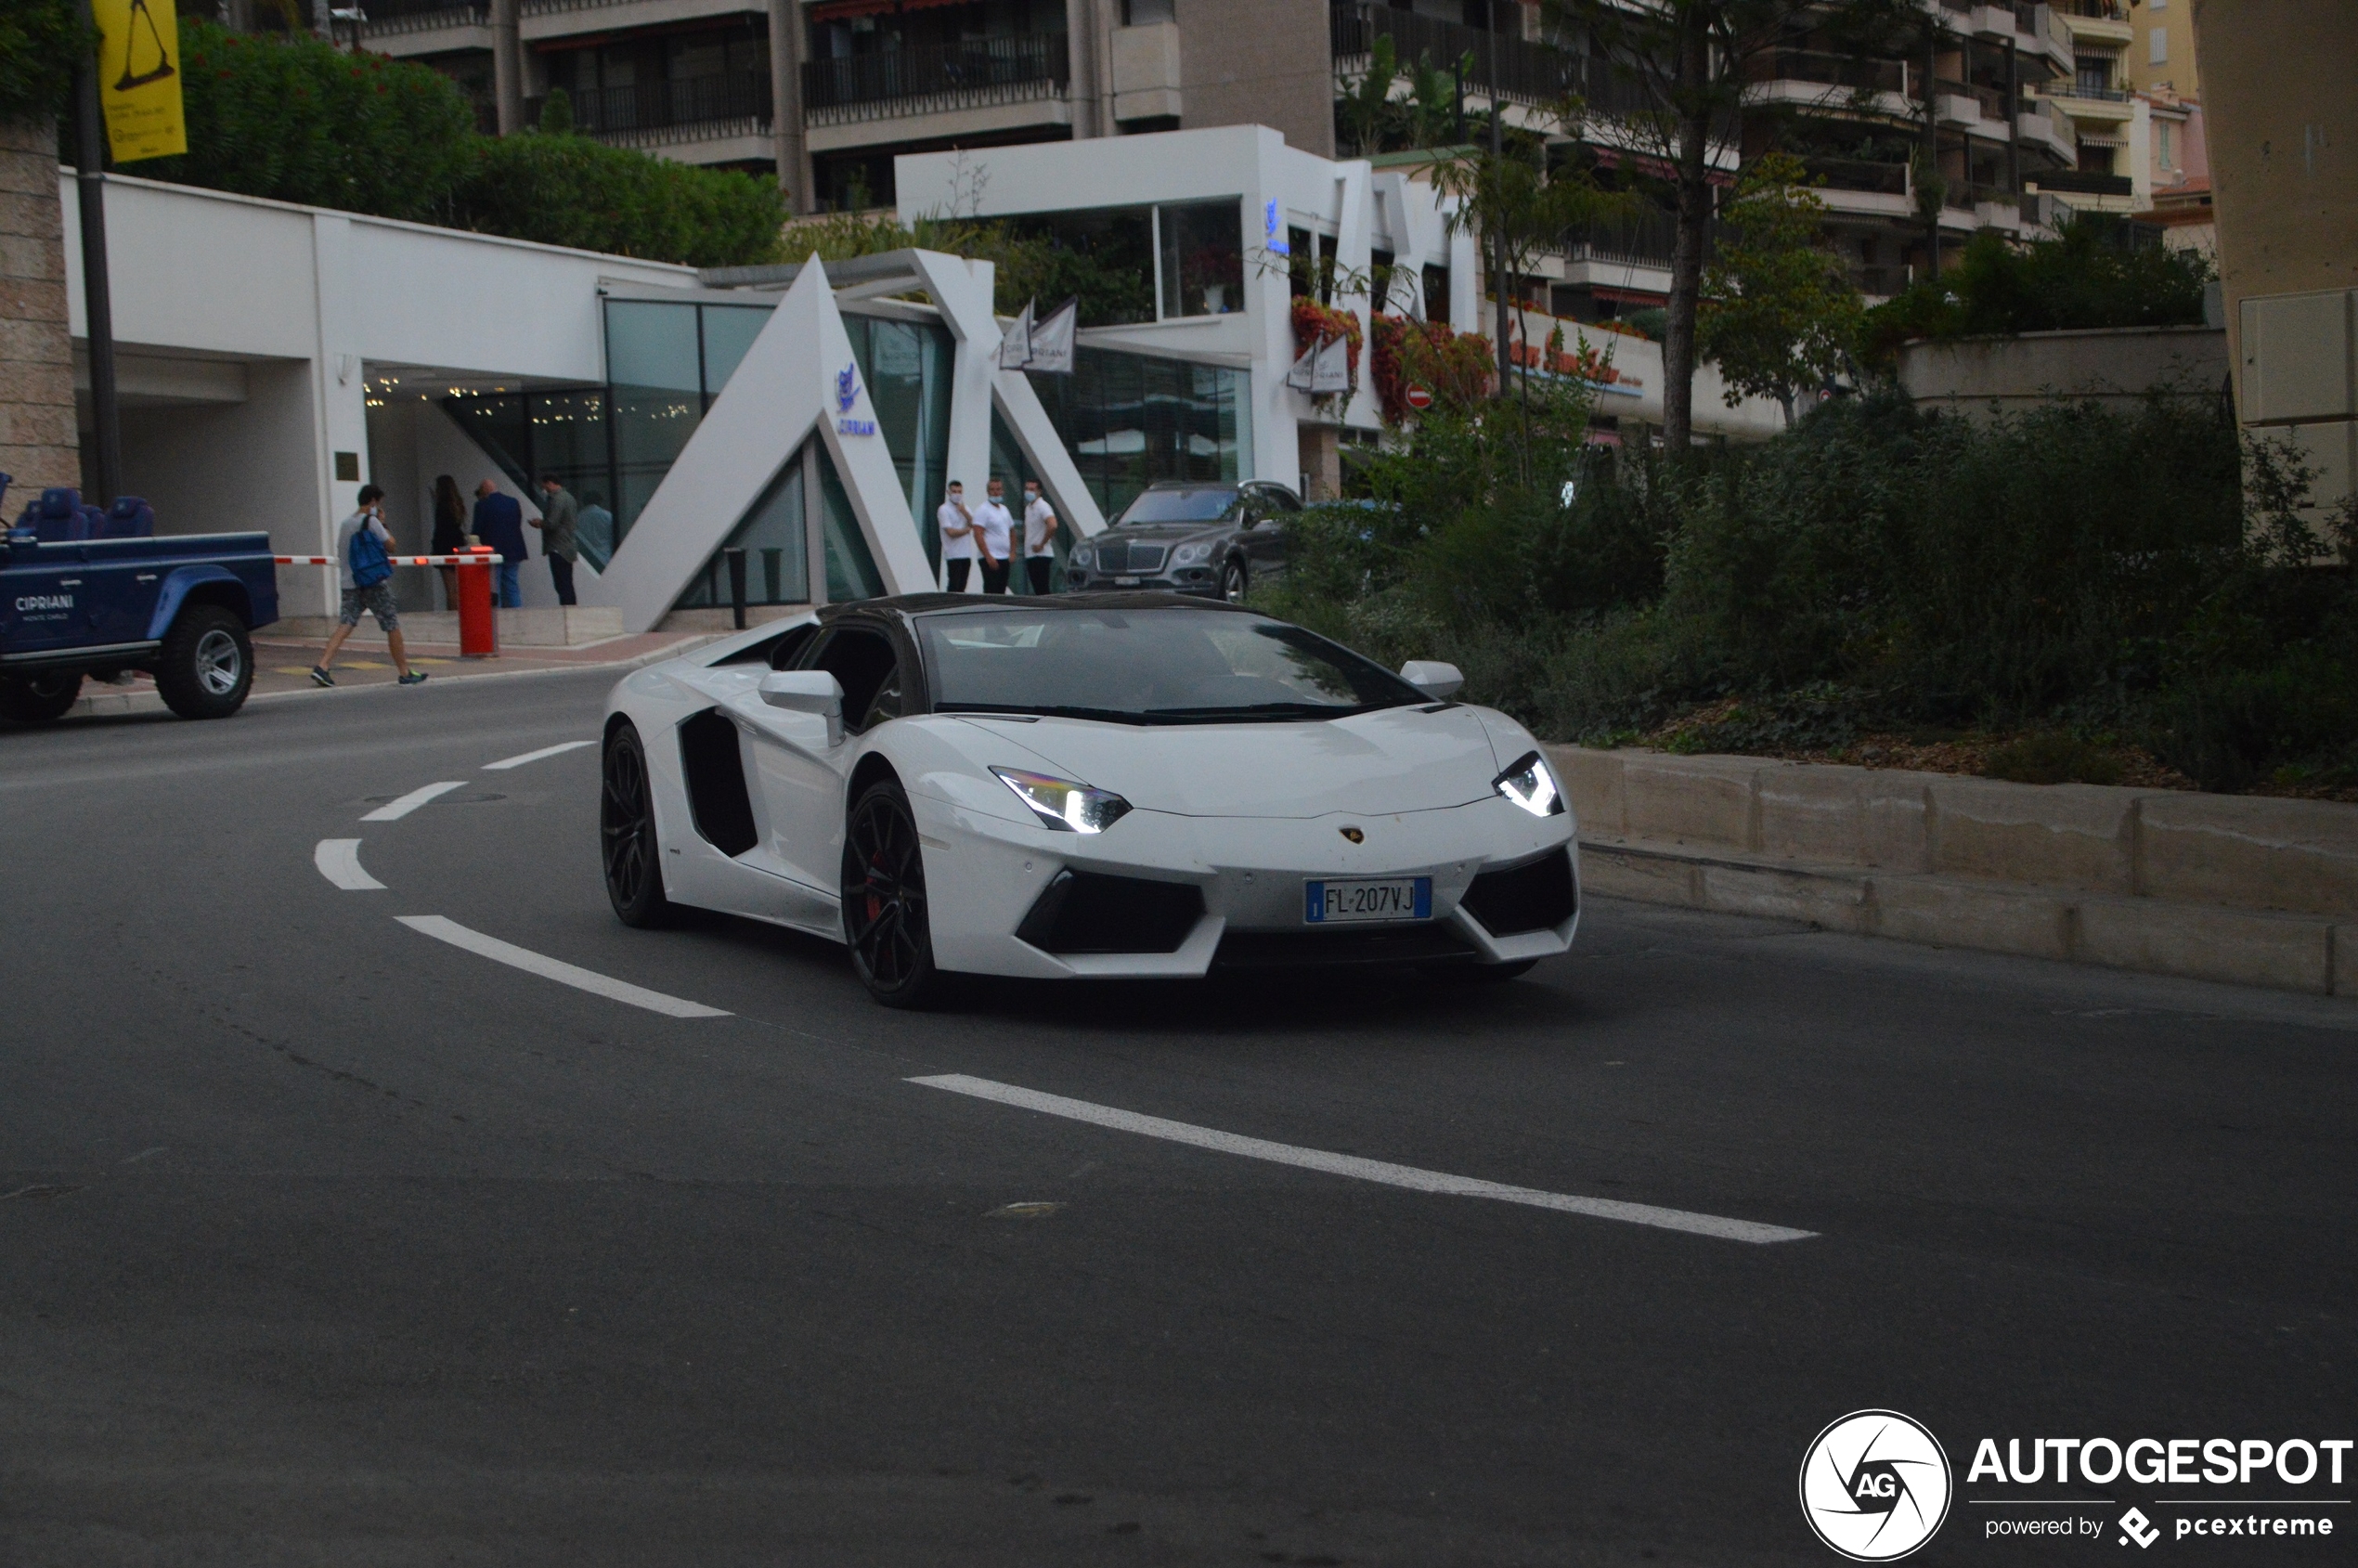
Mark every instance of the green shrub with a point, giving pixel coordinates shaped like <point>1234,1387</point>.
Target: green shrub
<point>298,119</point>
<point>2053,757</point>
<point>571,190</point>
<point>40,41</point>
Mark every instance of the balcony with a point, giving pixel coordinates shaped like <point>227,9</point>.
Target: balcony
<point>391,19</point>
<point>1531,73</point>
<point>2084,182</point>
<point>687,109</point>
<point>1833,70</point>
<point>1860,174</point>
<point>1644,239</point>
<point>970,75</point>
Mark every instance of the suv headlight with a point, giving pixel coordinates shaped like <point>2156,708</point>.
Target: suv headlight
<point>1064,805</point>
<point>1084,555</point>
<point>1530,785</point>
<point>1188,554</point>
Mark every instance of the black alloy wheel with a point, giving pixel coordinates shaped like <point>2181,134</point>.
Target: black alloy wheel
<point>37,699</point>
<point>627,834</point>
<point>884,901</point>
<point>1233,581</point>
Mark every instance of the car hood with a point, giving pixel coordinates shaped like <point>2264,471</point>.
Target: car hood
<point>1394,759</point>
<point>1159,533</point>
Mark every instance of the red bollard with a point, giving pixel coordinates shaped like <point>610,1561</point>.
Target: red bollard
<point>479,627</point>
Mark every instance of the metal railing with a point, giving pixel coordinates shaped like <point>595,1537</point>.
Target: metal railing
<point>662,105</point>
<point>1532,72</point>
<point>2084,182</point>
<point>893,81</point>
<point>1645,238</point>
<point>1858,173</point>
<point>2068,88</point>
<point>2096,10</point>
<point>1831,70</point>
<point>388,18</point>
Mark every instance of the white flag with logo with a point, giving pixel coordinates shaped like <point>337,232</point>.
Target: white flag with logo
<point>1052,340</point>
<point>1332,371</point>
<point>1298,378</point>
<point>1015,349</point>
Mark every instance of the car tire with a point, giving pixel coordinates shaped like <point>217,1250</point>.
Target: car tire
<point>1234,581</point>
<point>885,921</point>
<point>630,854</point>
<point>205,667</point>
<point>38,699</point>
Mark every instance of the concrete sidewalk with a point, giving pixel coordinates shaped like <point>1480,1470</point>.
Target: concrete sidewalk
<point>283,666</point>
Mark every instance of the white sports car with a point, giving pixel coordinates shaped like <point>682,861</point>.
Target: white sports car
<point>1118,785</point>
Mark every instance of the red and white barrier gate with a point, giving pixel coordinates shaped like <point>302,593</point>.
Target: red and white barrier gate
<point>479,627</point>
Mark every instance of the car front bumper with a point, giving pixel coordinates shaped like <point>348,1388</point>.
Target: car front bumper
<point>984,875</point>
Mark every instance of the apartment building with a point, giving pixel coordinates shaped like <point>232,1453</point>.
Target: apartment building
<point>2161,55</point>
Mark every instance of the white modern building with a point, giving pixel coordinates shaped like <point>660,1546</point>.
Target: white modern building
<point>273,358</point>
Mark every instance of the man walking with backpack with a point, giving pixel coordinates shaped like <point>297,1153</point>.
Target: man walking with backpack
<point>365,564</point>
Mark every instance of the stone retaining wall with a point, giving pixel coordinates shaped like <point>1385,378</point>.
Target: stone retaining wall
<point>38,442</point>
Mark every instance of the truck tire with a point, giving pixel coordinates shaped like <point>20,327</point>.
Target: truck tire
<point>206,666</point>
<point>37,699</point>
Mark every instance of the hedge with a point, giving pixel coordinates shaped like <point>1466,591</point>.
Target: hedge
<point>39,42</point>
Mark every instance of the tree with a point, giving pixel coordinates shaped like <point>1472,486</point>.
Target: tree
<point>1688,62</point>
<point>1778,310</point>
<point>41,42</point>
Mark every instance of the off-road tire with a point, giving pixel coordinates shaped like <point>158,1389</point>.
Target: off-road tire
<point>205,667</point>
<point>37,699</point>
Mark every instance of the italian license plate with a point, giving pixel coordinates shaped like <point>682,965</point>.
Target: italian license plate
<point>1394,897</point>
<point>1126,582</point>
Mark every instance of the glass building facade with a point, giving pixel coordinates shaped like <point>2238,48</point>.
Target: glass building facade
<point>1129,420</point>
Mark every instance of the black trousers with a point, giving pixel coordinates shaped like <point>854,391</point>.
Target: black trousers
<point>994,576</point>
<point>1038,568</point>
<point>561,573</point>
<point>957,568</point>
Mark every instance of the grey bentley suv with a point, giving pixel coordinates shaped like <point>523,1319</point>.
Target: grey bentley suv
<point>1205,537</point>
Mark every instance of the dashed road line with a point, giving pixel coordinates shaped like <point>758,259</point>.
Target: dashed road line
<point>1351,1165</point>
<point>506,762</point>
<point>338,862</point>
<point>557,969</point>
<point>394,811</point>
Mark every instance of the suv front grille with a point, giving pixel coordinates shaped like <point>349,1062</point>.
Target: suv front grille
<point>1127,557</point>
<point>1532,897</point>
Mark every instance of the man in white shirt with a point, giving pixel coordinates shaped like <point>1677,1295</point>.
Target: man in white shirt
<point>994,534</point>
<point>957,536</point>
<point>1039,529</point>
<point>375,597</point>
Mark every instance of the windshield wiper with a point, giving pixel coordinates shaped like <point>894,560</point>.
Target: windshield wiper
<point>1039,710</point>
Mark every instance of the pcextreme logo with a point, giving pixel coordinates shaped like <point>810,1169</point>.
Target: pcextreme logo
<point>1875,1485</point>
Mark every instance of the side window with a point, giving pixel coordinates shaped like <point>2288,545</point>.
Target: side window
<point>787,649</point>
<point>1280,500</point>
<point>866,667</point>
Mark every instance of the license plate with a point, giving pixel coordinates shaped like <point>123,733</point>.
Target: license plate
<point>1127,582</point>
<point>1395,897</point>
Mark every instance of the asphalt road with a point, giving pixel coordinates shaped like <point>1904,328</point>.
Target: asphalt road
<point>323,1241</point>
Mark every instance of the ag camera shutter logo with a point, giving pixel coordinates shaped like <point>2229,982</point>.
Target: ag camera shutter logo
<point>1875,1485</point>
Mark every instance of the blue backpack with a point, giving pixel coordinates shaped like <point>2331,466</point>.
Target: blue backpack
<point>366,554</point>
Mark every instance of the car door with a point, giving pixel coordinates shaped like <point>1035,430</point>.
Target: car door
<point>123,581</point>
<point>801,770</point>
<point>1264,541</point>
<point>47,600</point>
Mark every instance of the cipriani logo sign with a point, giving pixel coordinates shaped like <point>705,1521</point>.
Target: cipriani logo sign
<point>848,393</point>
<point>1875,1485</point>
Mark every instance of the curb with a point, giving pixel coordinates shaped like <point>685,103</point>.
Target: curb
<point>2311,953</point>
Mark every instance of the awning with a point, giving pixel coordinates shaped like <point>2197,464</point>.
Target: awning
<point>837,10</point>
<point>1653,168</point>
<point>1629,297</point>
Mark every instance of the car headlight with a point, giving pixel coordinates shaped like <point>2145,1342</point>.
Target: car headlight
<point>1188,554</point>
<point>1085,556</point>
<point>1064,805</point>
<point>1530,785</point>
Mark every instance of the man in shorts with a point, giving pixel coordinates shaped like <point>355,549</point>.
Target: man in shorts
<point>377,599</point>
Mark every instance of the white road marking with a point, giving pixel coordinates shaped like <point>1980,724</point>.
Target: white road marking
<point>1362,1169</point>
<point>506,762</point>
<point>557,969</point>
<point>338,862</point>
<point>394,811</point>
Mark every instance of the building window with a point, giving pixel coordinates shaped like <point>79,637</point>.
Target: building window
<point>1437,294</point>
<point>2165,149</point>
<point>2157,46</point>
<point>777,551</point>
<point>1204,259</point>
<point>1130,419</point>
<point>2095,72</point>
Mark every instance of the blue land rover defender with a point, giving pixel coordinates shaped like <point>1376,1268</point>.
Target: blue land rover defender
<point>85,592</point>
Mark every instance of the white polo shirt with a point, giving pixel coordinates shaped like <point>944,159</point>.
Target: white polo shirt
<point>957,538</point>
<point>1035,526</point>
<point>998,526</point>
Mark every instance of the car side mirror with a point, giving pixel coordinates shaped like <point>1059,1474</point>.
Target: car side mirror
<point>807,690</point>
<point>1438,680</point>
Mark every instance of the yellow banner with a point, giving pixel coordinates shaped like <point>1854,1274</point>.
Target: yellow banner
<point>139,78</point>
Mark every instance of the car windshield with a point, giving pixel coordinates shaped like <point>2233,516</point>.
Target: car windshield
<point>1148,667</point>
<point>1206,503</point>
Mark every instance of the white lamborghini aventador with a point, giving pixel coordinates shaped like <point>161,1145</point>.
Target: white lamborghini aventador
<point>1084,786</point>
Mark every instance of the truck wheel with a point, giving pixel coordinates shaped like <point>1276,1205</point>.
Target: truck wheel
<point>37,699</point>
<point>206,666</point>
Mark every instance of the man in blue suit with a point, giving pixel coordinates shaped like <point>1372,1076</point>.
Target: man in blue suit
<point>498,522</point>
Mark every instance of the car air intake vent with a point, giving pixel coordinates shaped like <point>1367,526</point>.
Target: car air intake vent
<point>1089,911</point>
<point>1290,949</point>
<point>715,777</point>
<point>1531,896</point>
<point>1127,556</point>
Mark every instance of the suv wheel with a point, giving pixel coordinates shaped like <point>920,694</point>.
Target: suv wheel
<point>1233,581</point>
<point>205,667</point>
<point>37,699</point>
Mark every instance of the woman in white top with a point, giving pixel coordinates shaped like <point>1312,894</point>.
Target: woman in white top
<point>957,525</point>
